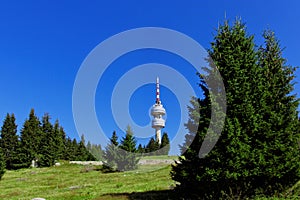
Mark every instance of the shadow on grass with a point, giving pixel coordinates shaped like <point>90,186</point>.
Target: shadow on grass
<point>151,195</point>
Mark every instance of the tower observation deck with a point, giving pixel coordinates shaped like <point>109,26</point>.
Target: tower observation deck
<point>158,112</point>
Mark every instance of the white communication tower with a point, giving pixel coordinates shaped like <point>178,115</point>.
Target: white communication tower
<point>158,112</point>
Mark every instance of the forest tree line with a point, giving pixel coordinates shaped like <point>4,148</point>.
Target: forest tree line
<point>40,141</point>
<point>46,143</point>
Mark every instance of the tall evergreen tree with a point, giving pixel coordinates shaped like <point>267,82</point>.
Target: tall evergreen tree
<point>127,159</point>
<point>48,146</point>
<point>152,147</point>
<point>114,139</point>
<point>187,170</point>
<point>59,138</point>
<point>82,153</point>
<point>128,143</point>
<point>111,151</point>
<point>279,135</point>
<point>95,150</point>
<point>9,141</point>
<point>233,52</point>
<point>31,136</point>
<point>243,161</point>
<point>69,151</point>
<point>140,149</point>
<point>89,146</point>
<point>165,145</point>
<point>73,149</point>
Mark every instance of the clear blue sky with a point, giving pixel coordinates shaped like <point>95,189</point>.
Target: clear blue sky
<point>43,43</point>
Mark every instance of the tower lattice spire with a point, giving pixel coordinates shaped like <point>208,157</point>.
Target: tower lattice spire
<point>157,91</point>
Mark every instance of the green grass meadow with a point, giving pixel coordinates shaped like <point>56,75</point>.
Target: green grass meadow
<point>71,181</point>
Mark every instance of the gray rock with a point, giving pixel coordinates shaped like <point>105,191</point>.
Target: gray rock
<point>74,187</point>
<point>87,162</point>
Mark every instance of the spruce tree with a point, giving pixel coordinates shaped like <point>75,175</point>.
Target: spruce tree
<point>140,149</point>
<point>127,159</point>
<point>70,149</point>
<point>96,151</point>
<point>165,145</point>
<point>74,147</point>
<point>82,153</point>
<point>111,152</point>
<point>257,152</point>
<point>59,138</point>
<point>68,153</point>
<point>152,147</point>
<point>9,142</point>
<point>114,139</point>
<point>128,143</point>
<point>230,168</point>
<point>81,150</point>
<point>188,169</point>
<point>48,145</point>
<point>89,146</point>
<point>279,135</point>
<point>31,136</point>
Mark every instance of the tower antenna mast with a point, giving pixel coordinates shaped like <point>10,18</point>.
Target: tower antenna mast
<point>158,112</point>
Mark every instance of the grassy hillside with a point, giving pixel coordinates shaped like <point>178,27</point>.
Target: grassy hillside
<point>84,182</point>
<point>71,181</point>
